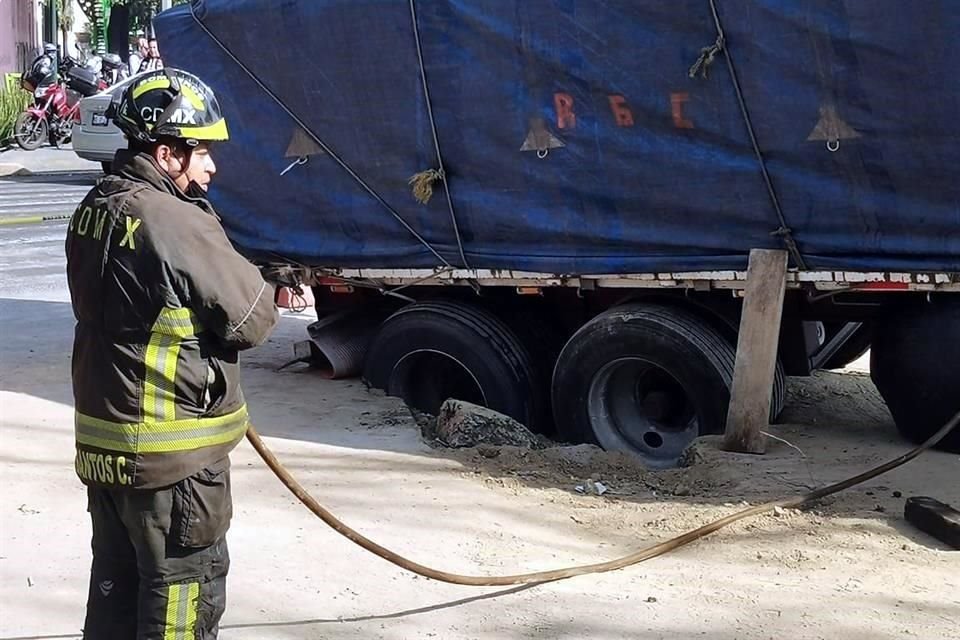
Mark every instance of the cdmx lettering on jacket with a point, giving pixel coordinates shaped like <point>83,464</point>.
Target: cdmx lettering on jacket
<point>88,222</point>
<point>102,467</point>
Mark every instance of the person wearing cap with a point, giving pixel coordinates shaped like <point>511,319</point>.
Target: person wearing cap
<point>163,305</point>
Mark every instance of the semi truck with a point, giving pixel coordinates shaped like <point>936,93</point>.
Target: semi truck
<point>547,207</point>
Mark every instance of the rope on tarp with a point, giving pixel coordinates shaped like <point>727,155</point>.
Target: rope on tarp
<point>423,181</point>
<point>422,184</point>
<point>706,58</point>
<point>317,139</point>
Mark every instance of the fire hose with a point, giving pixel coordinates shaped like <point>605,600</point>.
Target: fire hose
<point>638,556</point>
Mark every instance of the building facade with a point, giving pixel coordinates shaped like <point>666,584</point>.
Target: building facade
<point>21,23</point>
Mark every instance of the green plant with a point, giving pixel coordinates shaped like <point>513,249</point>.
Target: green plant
<point>12,104</point>
<point>98,15</point>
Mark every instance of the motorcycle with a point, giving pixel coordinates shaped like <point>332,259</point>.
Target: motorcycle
<point>56,105</point>
<point>110,67</point>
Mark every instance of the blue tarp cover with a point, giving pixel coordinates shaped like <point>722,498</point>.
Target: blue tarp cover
<point>573,138</point>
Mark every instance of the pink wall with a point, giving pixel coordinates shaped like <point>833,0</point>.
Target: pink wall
<point>18,27</point>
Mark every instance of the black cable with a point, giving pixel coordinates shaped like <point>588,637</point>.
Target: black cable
<point>436,139</point>
<point>784,231</point>
<point>316,139</point>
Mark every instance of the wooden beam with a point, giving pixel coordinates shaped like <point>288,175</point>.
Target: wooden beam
<point>934,517</point>
<point>756,363</point>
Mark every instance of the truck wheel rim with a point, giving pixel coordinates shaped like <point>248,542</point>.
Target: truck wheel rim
<point>636,405</point>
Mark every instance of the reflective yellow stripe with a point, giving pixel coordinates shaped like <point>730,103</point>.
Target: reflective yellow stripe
<point>161,82</point>
<point>160,437</point>
<point>192,97</point>
<point>193,598</point>
<point>181,620</point>
<point>170,381</point>
<point>215,131</point>
<point>163,351</point>
<point>151,380</point>
<point>173,606</point>
<point>177,323</point>
<point>159,382</point>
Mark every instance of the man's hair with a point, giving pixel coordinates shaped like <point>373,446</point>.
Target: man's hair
<point>180,147</point>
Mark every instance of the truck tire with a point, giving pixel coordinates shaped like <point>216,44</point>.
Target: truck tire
<point>543,340</point>
<point>779,398</point>
<point>915,364</point>
<point>646,379</point>
<point>428,352</point>
<point>852,349</point>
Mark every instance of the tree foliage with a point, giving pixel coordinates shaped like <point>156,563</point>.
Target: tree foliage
<point>65,16</point>
<point>141,11</point>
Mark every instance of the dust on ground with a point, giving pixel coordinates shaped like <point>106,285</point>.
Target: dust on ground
<point>849,568</point>
<point>835,425</point>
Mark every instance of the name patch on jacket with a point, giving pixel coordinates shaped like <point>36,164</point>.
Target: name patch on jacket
<point>102,468</point>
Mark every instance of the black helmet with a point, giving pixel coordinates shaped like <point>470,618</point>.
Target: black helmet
<point>169,102</point>
<point>111,61</point>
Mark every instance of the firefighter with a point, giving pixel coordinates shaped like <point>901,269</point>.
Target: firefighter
<point>163,305</point>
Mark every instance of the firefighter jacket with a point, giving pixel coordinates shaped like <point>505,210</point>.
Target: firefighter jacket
<point>163,304</point>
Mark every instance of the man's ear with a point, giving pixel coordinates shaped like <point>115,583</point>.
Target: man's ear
<point>163,154</point>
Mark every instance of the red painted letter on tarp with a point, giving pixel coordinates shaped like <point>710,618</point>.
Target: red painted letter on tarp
<point>566,118</point>
<point>677,101</point>
<point>621,110</point>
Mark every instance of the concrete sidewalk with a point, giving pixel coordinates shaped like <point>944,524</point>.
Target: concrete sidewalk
<point>46,159</point>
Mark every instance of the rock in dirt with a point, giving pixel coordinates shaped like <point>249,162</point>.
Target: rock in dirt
<point>461,424</point>
<point>427,424</point>
<point>592,487</point>
<point>488,452</point>
<point>682,488</point>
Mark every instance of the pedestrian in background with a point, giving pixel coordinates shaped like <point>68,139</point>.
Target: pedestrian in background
<point>152,62</point>
<point>137,57</point>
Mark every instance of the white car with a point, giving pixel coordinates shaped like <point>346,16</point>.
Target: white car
<point>95,137</point>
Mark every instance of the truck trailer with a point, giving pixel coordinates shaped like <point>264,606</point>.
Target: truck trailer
<point>547,207</point>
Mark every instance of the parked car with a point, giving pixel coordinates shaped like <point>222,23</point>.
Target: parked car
<point>95,137</point>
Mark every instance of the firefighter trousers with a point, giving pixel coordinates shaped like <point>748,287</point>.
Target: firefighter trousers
<point>160,559</point>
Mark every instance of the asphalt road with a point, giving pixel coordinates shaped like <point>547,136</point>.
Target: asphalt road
<point>31,254</point>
